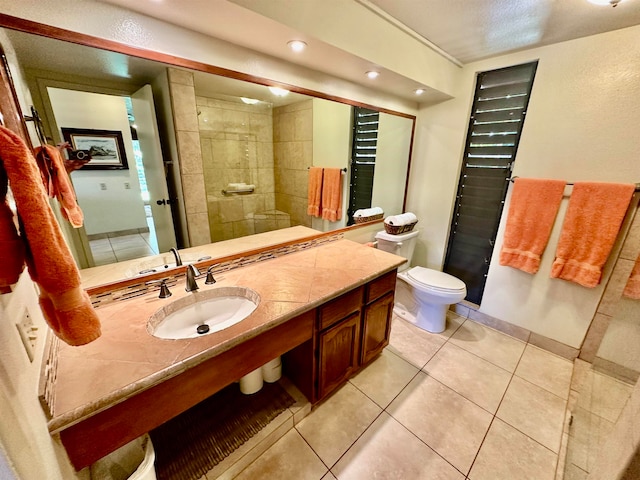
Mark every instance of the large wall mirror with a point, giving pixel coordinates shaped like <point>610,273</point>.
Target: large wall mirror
<point>155,127</point>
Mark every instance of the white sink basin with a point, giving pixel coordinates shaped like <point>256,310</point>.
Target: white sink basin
<point>163,262</point>
<point>218,308</point>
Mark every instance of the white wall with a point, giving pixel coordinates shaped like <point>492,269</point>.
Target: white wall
<point>394,143</point>
<point>582,124</point>
<point>332,148</point>
<point>23,429</point>
<point>116,208</point>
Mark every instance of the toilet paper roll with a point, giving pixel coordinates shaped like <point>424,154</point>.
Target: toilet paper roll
<point>251,382</point>
<point>272,371</point>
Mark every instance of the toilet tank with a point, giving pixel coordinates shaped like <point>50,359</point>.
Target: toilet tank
<point>403,245</point>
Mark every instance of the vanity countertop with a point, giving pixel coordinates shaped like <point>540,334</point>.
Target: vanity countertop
<point>114,272</point>
<point>127,359</point>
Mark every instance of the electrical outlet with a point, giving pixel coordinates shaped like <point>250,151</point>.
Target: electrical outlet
<point>103,186</point>
<point>127,186</point>
<point>28,333</point>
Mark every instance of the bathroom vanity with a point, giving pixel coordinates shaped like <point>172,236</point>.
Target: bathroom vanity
<point>325,309</point>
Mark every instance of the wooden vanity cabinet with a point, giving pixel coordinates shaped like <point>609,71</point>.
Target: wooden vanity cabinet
<point>350,331</point>
<point>338,341</point>
<point>376,316</point>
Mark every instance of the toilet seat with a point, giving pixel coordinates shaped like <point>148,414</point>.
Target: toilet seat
<point>436,281</point>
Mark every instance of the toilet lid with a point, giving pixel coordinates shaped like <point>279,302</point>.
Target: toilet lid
<point>435,279</point>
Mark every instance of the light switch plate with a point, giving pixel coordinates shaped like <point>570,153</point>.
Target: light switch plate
<point>28,333</point>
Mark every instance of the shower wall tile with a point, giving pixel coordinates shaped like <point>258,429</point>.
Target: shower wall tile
<point>266,180</point>
<point>196,200</point>
<point>190,153</point>
<point>231,209</point>
<point>594,337</point>
<point>631,247</point>
<point>243,228</point>
<point>185,113</point>
<point>199,233</point>
<point>183,77</point>
<point>616,285</point>
<point>252,204</point>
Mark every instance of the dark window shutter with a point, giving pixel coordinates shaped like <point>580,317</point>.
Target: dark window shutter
<point>363,158</point>
<point>497,116</point>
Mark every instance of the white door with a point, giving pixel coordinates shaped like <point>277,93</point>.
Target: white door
<point>145,117</point>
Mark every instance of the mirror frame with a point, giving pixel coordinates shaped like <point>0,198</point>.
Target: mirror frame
<point>28,26</point>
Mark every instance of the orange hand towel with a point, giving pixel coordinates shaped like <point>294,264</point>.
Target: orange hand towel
<point>332,194</point>
<point>57,183</point>
<point>65,305</point>
<point>632,289</point>
<point>314,195</point>
<point>590,228</point>
<point>532,211</point>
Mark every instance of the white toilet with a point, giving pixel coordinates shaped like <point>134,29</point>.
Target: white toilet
<point>423,295</point>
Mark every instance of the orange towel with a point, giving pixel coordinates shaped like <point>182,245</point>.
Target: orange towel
<point>332,194</point>
<point>632,289</point>
<point>590,228</point>
<point>64,303</point>
<point>314,195</point>
<point>57,183</point>
<point>532,211</point>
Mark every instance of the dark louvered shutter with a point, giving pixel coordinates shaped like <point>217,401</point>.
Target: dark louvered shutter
<point>497,117</point>
<point>363,158</point>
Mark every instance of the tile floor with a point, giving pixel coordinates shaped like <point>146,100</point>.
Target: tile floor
<point>124,247</point>
<point>468,403</point>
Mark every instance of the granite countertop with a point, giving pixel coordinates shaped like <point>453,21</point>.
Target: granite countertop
<point>127,359</point>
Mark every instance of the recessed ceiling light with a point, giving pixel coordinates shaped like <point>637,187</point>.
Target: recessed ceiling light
<point>372,74</point>
<point>419,91</point>
<point>278,92</point>
<point>297,45</point>
<point>249,101</point>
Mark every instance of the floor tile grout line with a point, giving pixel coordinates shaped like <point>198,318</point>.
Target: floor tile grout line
<point>423,442</point>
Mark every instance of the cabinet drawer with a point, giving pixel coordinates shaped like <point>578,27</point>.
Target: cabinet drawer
<point>340,308</point>
<point>380,286</point>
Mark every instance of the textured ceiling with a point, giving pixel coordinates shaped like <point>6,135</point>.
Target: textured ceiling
<point>470,30</point>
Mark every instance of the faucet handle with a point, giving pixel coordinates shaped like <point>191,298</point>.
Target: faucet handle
<point>164,289</point>
<point>210,280</point>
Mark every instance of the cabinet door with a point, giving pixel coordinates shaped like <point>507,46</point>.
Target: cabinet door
<point>376,326</point>
<point>338,354</point>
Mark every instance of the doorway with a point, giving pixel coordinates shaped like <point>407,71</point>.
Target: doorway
<point>122,219</point>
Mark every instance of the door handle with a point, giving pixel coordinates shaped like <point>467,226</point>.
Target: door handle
<point>167,201</point>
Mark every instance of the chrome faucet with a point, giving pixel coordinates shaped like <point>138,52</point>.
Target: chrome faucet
<point>192,274</point>
<point>177,255</point>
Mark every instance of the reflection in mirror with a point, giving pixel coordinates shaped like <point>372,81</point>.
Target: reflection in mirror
<point>209,158</point>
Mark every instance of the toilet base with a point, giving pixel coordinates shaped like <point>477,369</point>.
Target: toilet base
<point>432,317</point>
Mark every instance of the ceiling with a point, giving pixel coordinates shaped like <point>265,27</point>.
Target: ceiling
<point>471,30</point>
<point>460,30</point>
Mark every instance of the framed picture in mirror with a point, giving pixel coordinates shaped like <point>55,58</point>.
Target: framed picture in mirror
<point>104,147</point>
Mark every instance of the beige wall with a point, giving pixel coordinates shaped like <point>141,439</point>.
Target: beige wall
<point>332,148</point>
<point>581,125</point>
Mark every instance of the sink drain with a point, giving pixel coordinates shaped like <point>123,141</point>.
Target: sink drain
<point>202,329</point>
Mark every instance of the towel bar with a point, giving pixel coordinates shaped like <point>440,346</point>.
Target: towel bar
<point>513,179</point>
